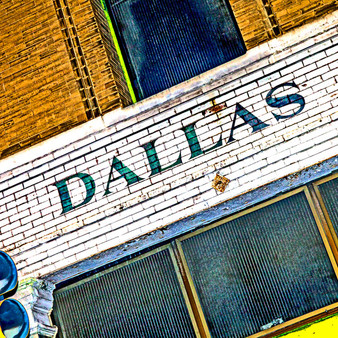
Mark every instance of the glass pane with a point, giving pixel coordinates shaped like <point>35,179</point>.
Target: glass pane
<point>142,299</point>
<point>329,192</point>
<point>169,41</point>
<point>256,269</point>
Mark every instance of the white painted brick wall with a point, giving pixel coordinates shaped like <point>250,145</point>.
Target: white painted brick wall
<point>41,239</point>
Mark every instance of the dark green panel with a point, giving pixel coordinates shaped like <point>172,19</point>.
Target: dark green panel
<point>265,265</point>
<point>141,299</point>
<point>329,192</point>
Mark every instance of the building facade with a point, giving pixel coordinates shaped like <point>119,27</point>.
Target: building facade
<point>171,183</point>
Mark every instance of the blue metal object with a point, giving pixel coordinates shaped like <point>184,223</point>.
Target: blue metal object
<point>8,274</point>
<point>14,322</point>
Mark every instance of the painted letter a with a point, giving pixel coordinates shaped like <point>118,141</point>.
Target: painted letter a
<point>64,192</point>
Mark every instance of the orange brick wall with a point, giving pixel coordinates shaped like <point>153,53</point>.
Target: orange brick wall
<point>59,67</point>
<point>107,78</point>
<point>261,20</point>
<point>294,13</point>
<point>39,96</point>
<point>113,71</point>
<point>252,21</point>
<point>55,72</point>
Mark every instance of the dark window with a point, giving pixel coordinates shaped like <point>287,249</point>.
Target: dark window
<point>266,267</point>
<point>140,299</point>
<point>166,42</point>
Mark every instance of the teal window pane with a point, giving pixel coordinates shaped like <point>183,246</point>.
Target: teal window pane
<point>265,266</point>
<point>141,299</point>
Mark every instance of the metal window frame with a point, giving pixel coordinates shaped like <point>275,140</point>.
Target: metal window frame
<point>327,221</point>
<point>134,260</point>
<point>133,85</point>
<point>327,240</point>
<point>325,228</point>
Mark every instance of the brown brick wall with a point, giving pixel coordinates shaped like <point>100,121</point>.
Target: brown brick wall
<point>252,21</point>
<point>294,13</point>
<point>261,20</point>
<point>55,72</point>
<point>39,96</point>
<point>114,71</point>
<point>95,40</point>
<point>59,67</point>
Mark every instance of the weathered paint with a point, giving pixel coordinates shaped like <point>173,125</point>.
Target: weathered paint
<point>165,234</point>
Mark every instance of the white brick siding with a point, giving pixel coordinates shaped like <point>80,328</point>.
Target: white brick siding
<point>41,238</point>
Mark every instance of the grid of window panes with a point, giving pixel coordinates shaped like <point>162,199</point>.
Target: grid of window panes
<point>266,266</point>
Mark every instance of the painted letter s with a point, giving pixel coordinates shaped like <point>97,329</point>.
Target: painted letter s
<point>279,102</point>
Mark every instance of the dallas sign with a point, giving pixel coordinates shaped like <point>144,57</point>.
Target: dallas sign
<point>119,170</point>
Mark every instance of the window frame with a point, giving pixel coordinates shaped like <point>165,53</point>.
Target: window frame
<point>133,260</point>
<point>198,320</point>
<point>327,240</point>
<point>128,69</point>
<point>326,220</point>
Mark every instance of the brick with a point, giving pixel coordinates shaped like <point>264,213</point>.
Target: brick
<point>10,226</point>
<point>264,89</point>
<point>229,86</point>
<point>328,60</point>
<point>33,181</point>
<point>87,253</point>
<point>275,67</point>
<point>330,74</point>
<point>251,77</point>
<point>291,69</point>
<point>305,70</point>
<point>12,190</point>
<point>207,97</point>
<point>331,51</point>
<point>246,88</point>
<point>317,72</point>
<point>237,99</point>
<point>13,239</point>
<point>269,79</point>
<point>314,58</point>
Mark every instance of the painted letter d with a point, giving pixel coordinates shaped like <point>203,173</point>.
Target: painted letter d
<point>64,192</point>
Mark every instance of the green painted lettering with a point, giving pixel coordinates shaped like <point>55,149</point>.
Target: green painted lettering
<point>248,118</point>
<point>64,192</point>
<point>124,171</point>
<point>194,145</point>
<point>154,162</point>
